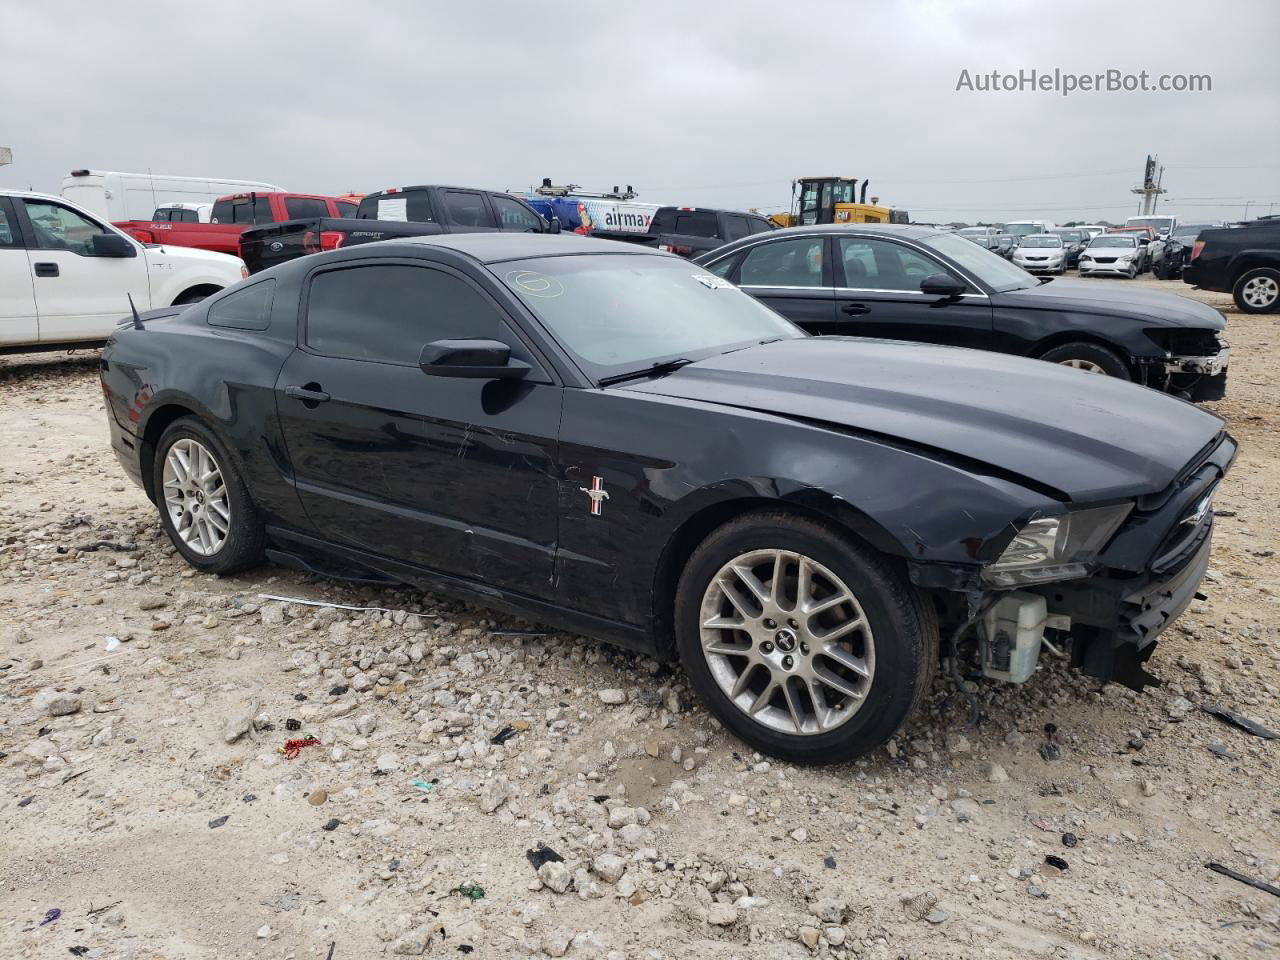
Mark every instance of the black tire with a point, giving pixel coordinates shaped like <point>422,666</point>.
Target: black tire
<point>902,622</point>
<point>1090,353</point>
<point>192,296</point>
<point>1264,279</point>
<point>245,539</point>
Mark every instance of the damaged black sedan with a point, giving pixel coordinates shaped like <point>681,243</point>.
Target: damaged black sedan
<point>620,443</point>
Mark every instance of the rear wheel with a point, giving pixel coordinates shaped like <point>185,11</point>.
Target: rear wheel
<point>805,644</point>
<point>204,505</point>
<point>1089,357</point>
<point>1258,290</point>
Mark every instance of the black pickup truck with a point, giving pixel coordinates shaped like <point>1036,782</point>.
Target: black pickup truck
<point>690,231</point>
<point>387,214</point>
<point>1243,261</point>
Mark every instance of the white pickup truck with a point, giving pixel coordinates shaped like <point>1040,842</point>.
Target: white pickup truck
<point>66,275</point>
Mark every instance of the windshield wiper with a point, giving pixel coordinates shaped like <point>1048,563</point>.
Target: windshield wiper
<point>657,370</point>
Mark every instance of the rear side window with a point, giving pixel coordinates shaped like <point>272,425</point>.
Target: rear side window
<point>759,225</point>
<point>189,216</point>
<point>784,263</point>
<point>245,309</point>
<point>305,208</point>
<point>346,208</point>
<point>467,209</point>
<point>388,312</point>
<point>735,227</point>
<point>245,209</point>
<point>515,216</point>
<point>695,223</point>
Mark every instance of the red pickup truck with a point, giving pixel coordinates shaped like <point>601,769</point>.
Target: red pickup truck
<point>232,215</point>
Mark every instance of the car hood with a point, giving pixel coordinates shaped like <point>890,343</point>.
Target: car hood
<point>1081,436</point>
<point>1091,296</point>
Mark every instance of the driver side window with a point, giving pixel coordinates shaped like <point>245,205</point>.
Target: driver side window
<point>882,265</point>
<point>60,228</point>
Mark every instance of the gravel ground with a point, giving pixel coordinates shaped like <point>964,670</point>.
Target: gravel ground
<point>146,796</point>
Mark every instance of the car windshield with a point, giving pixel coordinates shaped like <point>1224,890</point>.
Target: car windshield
<point>1071,237</point>
<point>972,232</point>
<point>993,270</point>
<point>1022,229</point>
<point>1040,240</point>
<point>1113,240</point>
<point>619,313</point>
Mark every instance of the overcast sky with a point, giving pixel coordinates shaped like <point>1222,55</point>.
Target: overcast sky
<point>711,104</point>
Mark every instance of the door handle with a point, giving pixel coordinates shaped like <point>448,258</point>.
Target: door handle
<point>46,269</point>
<point>307,394</point>
<point>855,309</point>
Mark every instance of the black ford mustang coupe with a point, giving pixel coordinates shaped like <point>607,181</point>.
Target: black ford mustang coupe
<point>618,442</point>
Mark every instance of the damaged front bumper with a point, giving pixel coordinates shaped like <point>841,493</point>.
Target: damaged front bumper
<point>1143,580</point>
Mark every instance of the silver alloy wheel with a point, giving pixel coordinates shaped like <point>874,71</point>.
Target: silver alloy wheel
<point>1260,292</point>
<point>787,642</point>
<point>1088,366</point>
<point>196,497</point>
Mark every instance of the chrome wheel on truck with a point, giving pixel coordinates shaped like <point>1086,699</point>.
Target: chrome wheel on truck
<point>195,496</point>
<point>787,642</point>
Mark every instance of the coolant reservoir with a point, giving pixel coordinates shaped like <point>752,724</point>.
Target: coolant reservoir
<point>1010,636</point>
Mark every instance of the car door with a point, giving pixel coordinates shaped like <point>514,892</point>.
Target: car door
<point>455,475</point>
<point>793,276</point>
<point>19,322</point>
<point>878,295</point>
<point>79,295</point>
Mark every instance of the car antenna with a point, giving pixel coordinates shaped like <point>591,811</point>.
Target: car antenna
<point>137,320</point>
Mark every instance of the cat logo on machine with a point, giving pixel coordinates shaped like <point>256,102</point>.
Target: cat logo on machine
<point>598,495</point>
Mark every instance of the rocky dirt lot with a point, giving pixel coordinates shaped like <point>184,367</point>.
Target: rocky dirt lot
<point>481,788</point>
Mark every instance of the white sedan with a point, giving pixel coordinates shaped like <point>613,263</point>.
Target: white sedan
<point>1041,253</point>
<point>1113,254</point>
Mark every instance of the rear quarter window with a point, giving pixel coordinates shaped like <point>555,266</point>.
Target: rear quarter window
<point>305,208</point>
<point>248,308</point>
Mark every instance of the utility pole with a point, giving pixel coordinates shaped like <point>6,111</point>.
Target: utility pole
<point>1152,178</point>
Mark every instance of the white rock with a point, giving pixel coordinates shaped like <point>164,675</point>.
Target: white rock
<point>555,876</point>
<point>722,915</point>
<point>56,703</point>
<point>609,867</point>
<point>613,696</point>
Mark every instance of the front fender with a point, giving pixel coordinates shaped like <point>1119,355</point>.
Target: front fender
<point>679,467</point>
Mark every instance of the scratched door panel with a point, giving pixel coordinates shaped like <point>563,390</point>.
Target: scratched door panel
<point>455,475</point>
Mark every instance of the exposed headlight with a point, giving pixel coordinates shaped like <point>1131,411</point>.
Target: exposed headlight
<point>1124,258</point>
<point>1056,548</point>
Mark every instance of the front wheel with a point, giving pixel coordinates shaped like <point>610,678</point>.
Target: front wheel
<point>204,505</point>
<point>806,645</point>
<point>1258,290</point>
<point>1089,358</point>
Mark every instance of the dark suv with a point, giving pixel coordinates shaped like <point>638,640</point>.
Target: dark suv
<point>1244,262</point>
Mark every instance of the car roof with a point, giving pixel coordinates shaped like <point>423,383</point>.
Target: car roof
<point>32,195</point>
<point>496,247</point>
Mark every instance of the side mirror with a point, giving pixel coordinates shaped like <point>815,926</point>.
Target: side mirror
<point>553,225</point>
<point>112,245</point>
<point>942,285</point>
<point>474,359</point>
